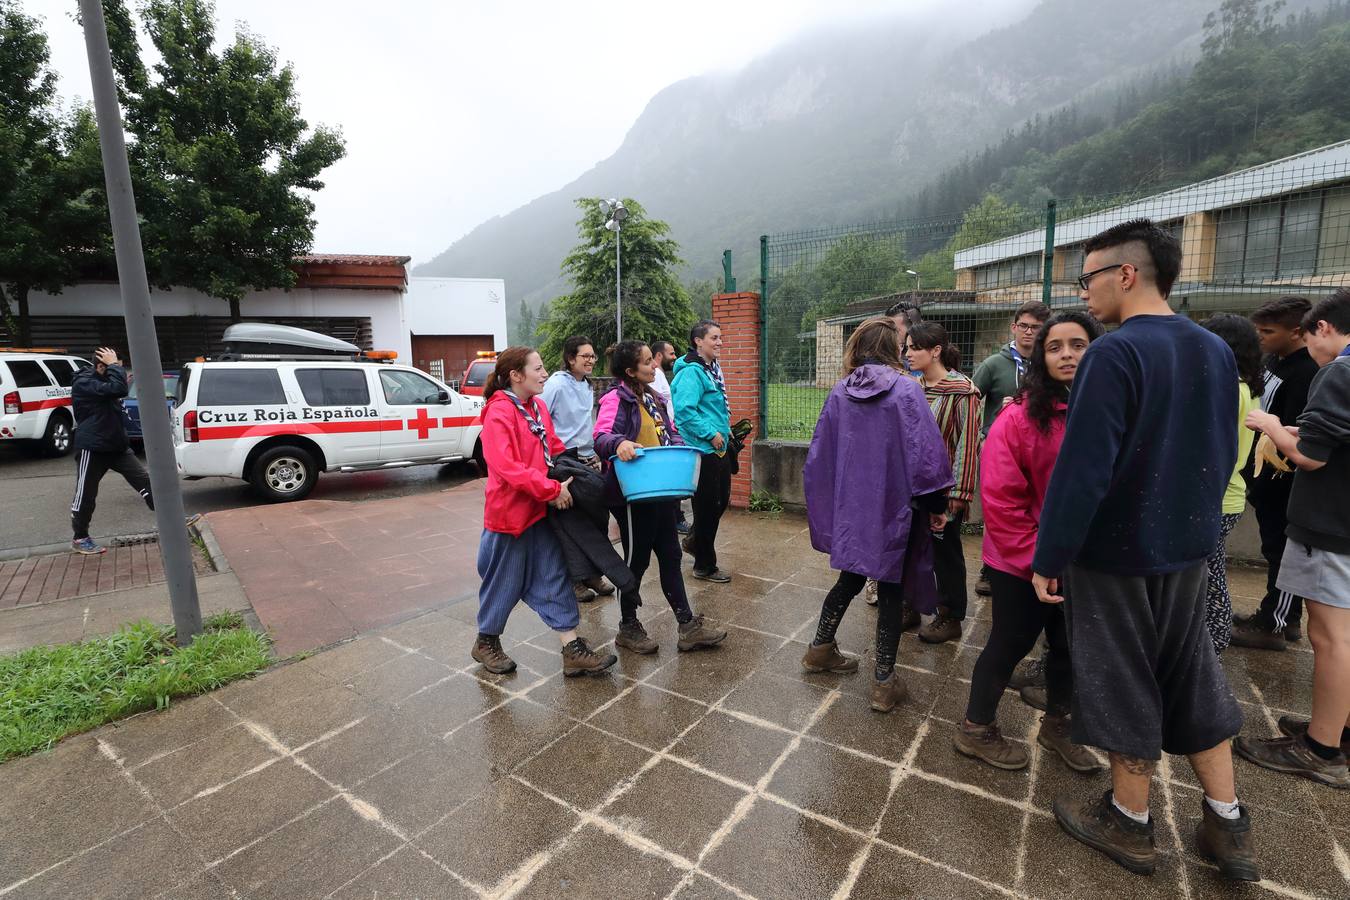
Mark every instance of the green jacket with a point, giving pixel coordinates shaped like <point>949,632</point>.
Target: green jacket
<point>700,405</point>
<point>996,378</point>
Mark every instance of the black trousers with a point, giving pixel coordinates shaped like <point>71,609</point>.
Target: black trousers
<point>949,565</point>
<point>90,467</point>
<point>890,616</point>
<point>1278,608</point>
<point>653,529</point>
<point>710,501</point>
<point>1019,619</point>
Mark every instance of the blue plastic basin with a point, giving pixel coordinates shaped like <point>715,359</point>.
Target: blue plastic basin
<point>658,473</point>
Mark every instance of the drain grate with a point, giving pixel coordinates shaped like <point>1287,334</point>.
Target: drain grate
<point>132,540</point>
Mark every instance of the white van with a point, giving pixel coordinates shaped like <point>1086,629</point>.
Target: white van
<point>283,404</point>
<point>35,398</point>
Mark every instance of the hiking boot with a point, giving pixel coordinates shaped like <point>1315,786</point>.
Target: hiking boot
<point>983,587</point>
<point>579,659</point>
<point>1101,826</point>
<point>632,636</point>
<point>715,575</point>
<point>696,634</point>
<point>987,743</point>
<point>1033,695</point>
<point>870,592</point>
<point>909,618</point>
<point>1054,735</point>
<point>488,652</point>
<point>1293,633</point>
<point>1227,843</point>
<point>582,593</point>
<point>1294,727</point>
<point>1256,636</point>
<point>601,587</point>
<point>1028,672</point>
<point>687,543</point>
<point>87,547</point>
<point>943,628</point>
<point>827,658</point>
<point>189,521</point>
<point>888,694</point>
<point>1293,756</point>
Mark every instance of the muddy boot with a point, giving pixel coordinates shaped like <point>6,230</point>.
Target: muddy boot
<point>488,652</point>
<point>696,634</point>
<point>601,587</point>
<point>1293,726</point>
<point>1293,756</point>
<point>888,694</point>
<point>1254,635</point>
<point>909,618</point>
<point>1101,826</point>
<point>579,659</point>
<point>1034,695</point>
<point>1054,735</point>
<point>827,658</point>
<point>943,628</point>
<point>583,593</point>
<point>1028,672</point>
<point>632,636</point>
<point>1227,843</point>
<point>987,743</point>
<point>983,587</point>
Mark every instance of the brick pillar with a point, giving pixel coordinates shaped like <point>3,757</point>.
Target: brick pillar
<point>738,314</point>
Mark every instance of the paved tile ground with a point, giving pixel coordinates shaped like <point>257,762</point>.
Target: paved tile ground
<point>391,766</point>
<point>61,576</point>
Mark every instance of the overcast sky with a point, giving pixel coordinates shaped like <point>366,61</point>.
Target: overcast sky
<point>457,111</point>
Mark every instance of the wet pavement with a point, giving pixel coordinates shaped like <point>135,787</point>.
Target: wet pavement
<point>391,766</point>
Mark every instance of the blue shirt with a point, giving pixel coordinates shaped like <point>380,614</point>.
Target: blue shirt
<point>571,403</point>
<point>1149,445</point>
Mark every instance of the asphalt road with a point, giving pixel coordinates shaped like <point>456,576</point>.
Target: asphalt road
<point>35,496</point>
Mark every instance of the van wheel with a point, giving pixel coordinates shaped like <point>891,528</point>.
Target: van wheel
<point>479,460</point>
<point>284,473</point>
<point>59,437</point>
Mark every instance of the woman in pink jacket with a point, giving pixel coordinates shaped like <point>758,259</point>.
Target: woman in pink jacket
<point>1015,467</point>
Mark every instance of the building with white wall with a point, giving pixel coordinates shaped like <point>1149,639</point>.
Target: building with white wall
<point>452,319</point>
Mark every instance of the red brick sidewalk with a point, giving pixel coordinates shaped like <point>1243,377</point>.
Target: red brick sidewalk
<point>321,571</point>
<point>40,579</point>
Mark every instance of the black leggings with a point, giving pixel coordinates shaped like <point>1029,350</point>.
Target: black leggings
<point>653,530</point>
<point>889,617</point>
<point>949,565</point>
<point>1019,619</point>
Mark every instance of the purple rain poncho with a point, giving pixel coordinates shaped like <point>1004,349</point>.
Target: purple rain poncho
<point>876,448</point>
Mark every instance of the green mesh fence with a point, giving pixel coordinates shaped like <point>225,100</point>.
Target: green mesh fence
<point>1275,229</point>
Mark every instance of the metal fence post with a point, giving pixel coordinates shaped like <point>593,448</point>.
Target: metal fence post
<point>142,343</point>
<point>1047,284</point>
<point>728,279</point>
<point>763,336</point>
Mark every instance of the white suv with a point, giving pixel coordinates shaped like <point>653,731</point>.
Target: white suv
<point>35,398</point>
<point>278,422</point>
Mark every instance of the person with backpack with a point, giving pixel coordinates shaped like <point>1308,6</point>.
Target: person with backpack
<point>876,481</point>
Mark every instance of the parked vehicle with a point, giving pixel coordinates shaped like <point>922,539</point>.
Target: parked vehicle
<point>132,404</point>
<point>35,398</point>
<point>282,405</point>
<point>476,373</point>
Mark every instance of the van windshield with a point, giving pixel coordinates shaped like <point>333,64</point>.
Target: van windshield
<point>478,373</point>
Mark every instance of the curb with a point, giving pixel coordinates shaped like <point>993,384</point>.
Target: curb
<point>217,556</point>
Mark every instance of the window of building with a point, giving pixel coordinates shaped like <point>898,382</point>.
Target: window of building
<point>240,387</point>
<point>1073,261</point>
<point>334,387</point>
<point>1280,239</point>
<point>1333,251</point>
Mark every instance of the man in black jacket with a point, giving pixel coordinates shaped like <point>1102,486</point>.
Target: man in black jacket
<point>1289,372</point>
<point>101,442</point>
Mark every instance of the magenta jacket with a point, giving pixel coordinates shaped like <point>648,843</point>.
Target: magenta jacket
<point>1015,469</point>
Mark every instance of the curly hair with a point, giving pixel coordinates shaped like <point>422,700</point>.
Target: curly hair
<point>1240,336</point>
<point>1040,392</point>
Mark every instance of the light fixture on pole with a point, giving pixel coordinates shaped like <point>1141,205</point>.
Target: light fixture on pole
<point>614,209</point>
<point>916,279</point>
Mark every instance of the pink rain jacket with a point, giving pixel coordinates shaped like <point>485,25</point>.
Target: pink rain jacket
<point>1015,468</point>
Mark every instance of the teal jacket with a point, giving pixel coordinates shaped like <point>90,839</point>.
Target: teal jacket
<point>700,406</point>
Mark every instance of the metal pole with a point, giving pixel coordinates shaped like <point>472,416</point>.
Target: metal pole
<point>143,346</point>
<point>618,276</point>
<point>1047,279</point>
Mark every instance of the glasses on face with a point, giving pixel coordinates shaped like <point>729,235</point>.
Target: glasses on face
<point>587,356</point>
<point>1027,327</point>
<point>1088,276</point>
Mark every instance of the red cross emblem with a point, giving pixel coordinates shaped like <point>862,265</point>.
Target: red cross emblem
<point>422,424</point>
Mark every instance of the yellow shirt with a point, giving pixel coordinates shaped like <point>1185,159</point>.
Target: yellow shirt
<point>647,436</point>
<point>1235,495</point>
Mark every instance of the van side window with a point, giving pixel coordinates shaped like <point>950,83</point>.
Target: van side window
<point>408,389</point>
<point>240,387</point>
<point>62,370</point>
<point>28,374</point>
<point>334,387</point>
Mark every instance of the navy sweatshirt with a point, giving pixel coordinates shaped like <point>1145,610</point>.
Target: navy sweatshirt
<point>1149,445</point>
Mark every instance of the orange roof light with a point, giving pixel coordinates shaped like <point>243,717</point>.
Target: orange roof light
<point>484,354</point>
<point>380,354</point>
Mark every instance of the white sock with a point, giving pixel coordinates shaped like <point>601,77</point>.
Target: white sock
<point>1141,818</point>
<point>1225,810</point>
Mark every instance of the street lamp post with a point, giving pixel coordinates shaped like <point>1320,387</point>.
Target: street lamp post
<point>916,279</point>
<point>615,211</point>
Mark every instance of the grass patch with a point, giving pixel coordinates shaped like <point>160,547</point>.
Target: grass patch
<point>47,693</point>
<point>223,621</point>
<point>763,501</point>
<point>793,410</point>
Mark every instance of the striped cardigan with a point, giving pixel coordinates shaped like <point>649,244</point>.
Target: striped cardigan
<point>955,403</point>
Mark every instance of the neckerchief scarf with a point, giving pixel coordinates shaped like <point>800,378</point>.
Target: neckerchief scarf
<point>1018,360</point>
<point>715,371</point>
<point>658,417</point>
<point>536,426</point>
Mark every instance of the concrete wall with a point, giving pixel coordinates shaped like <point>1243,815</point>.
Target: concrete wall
<point>457,306</point>
<point>384,308</point>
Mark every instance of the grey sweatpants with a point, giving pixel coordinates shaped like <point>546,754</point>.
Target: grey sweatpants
<point>1146,677</point>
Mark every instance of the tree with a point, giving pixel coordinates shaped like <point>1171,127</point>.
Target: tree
<point>223,156</point>
<point>655,304</point>
<point>700,293</point>
<point>522,330</point>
